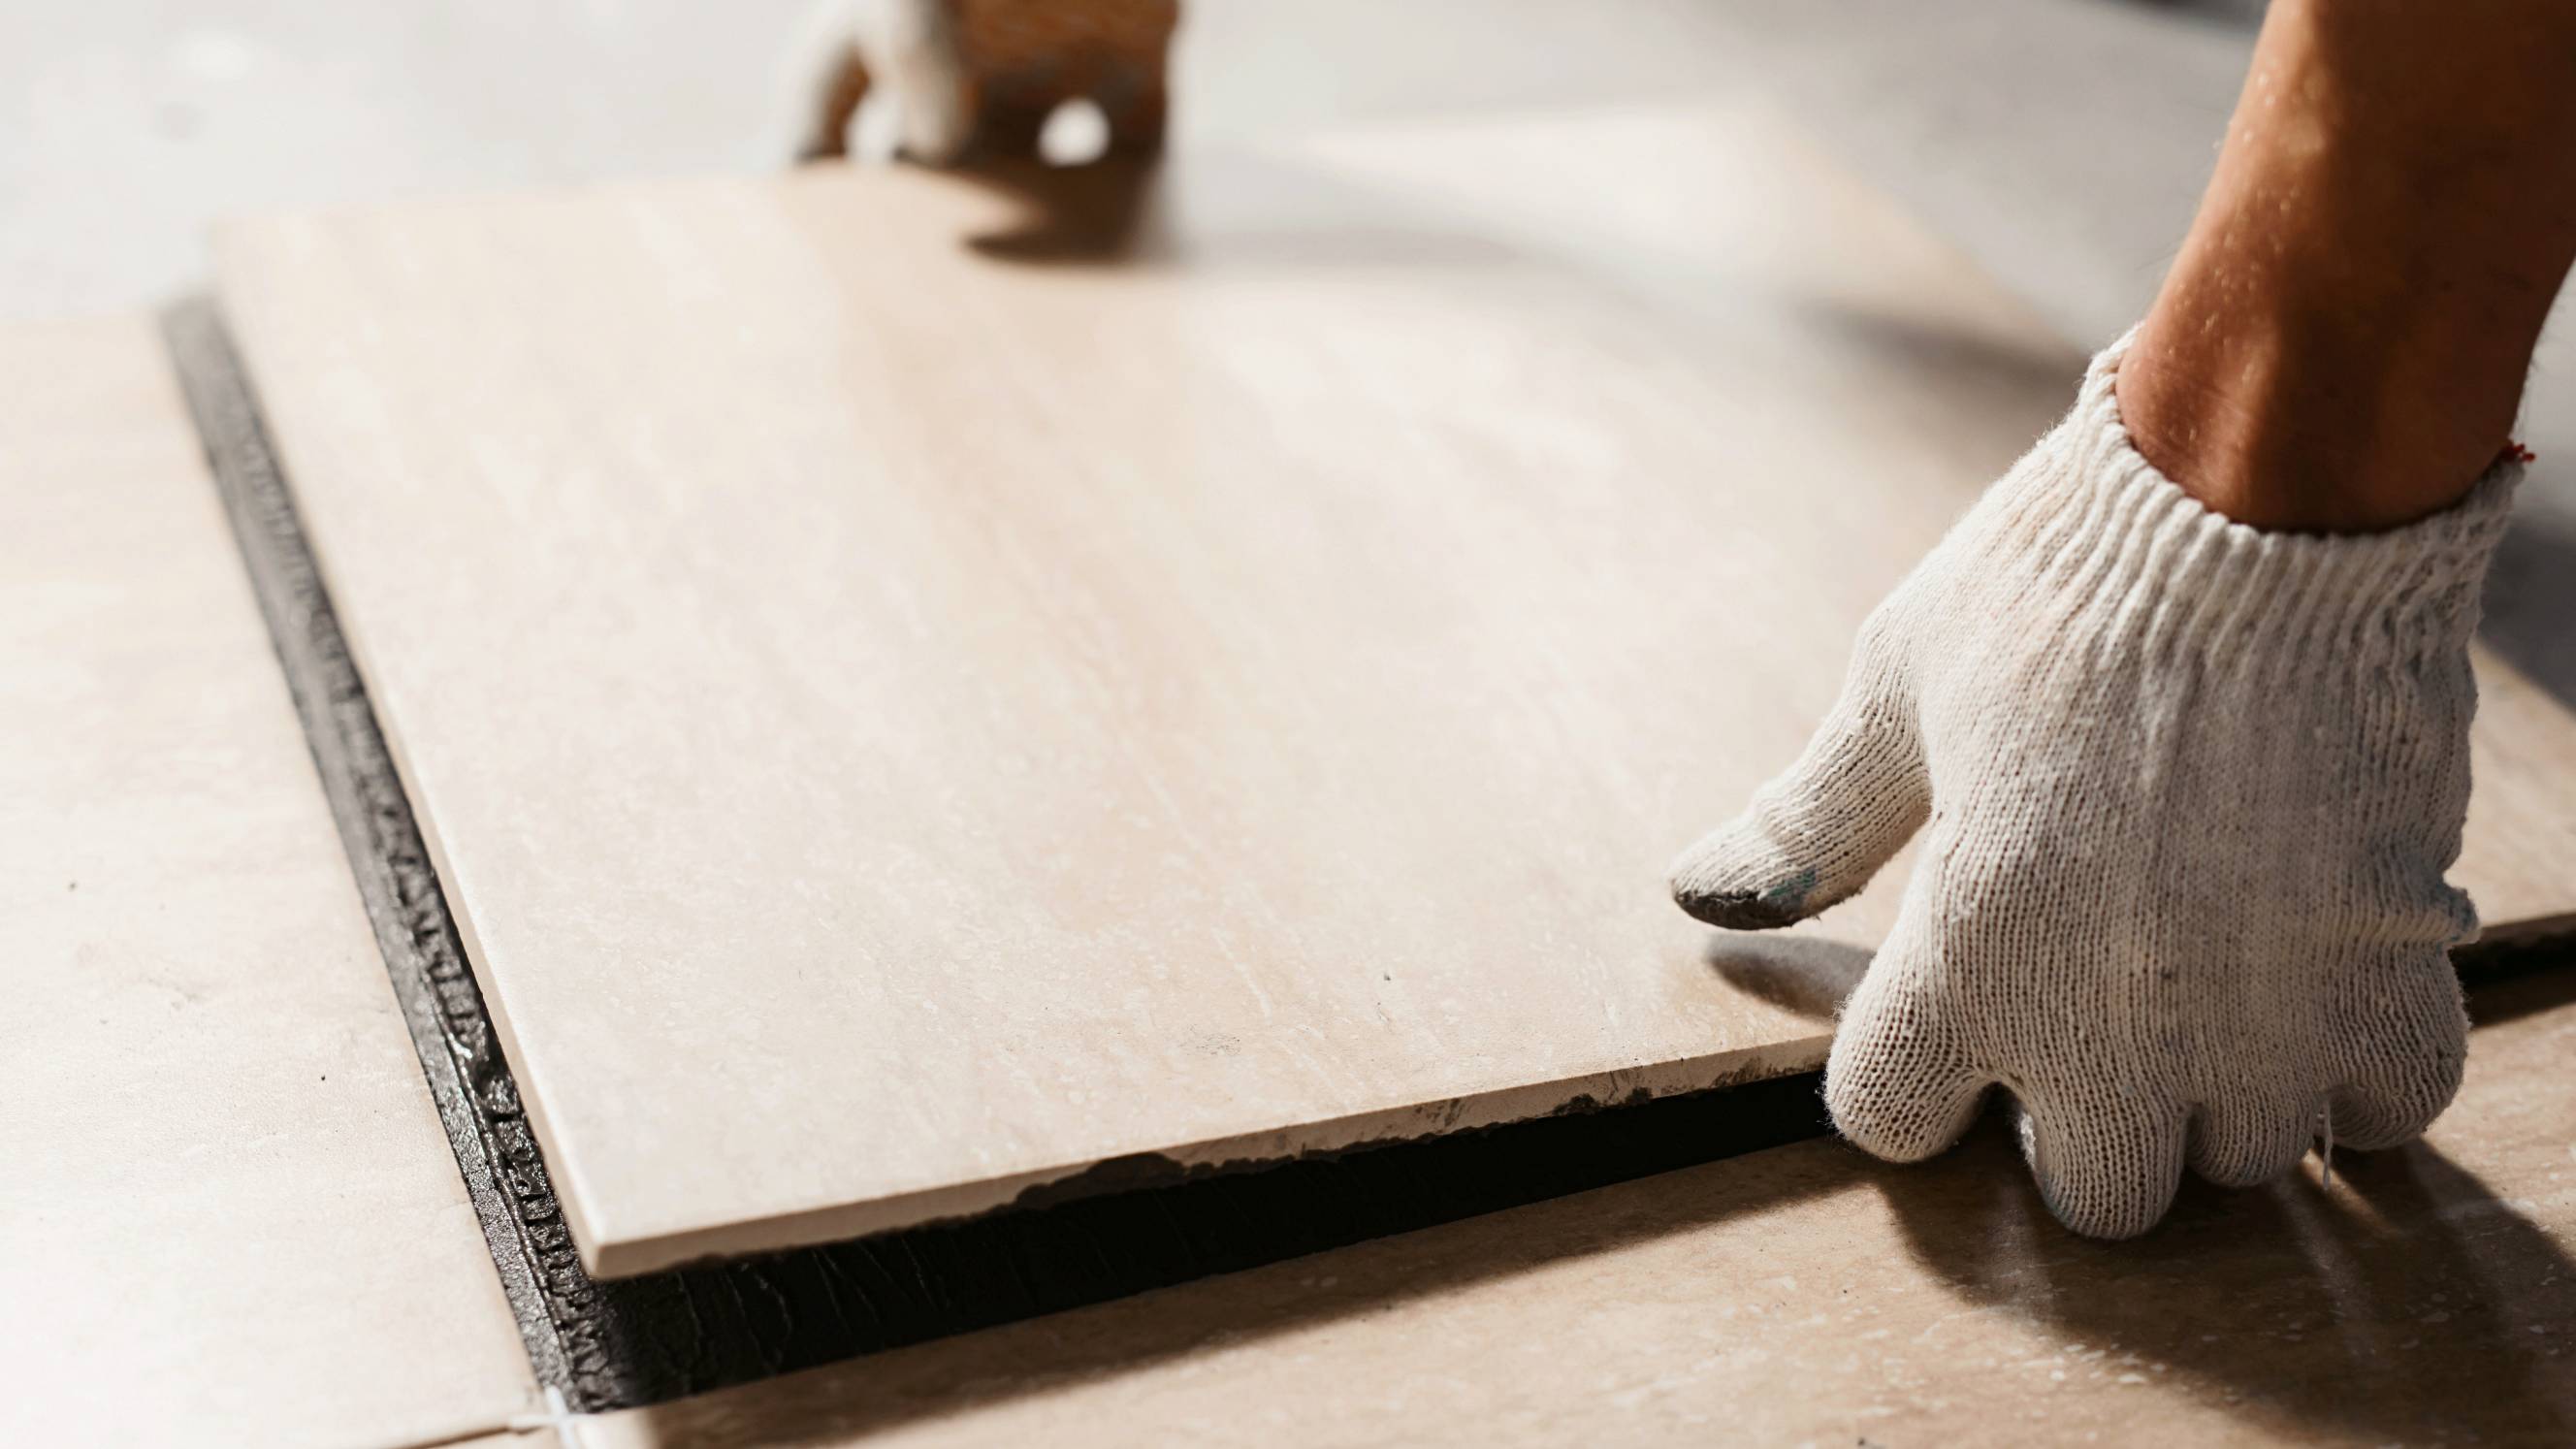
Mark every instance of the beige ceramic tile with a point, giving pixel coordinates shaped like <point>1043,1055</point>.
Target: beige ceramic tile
<point>231,1217</point>
<point>1810,1296</point>
<point>920,685</point>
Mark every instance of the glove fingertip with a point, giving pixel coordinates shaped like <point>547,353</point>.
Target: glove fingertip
<point>1743,884</point>
<point>2112,1182</point>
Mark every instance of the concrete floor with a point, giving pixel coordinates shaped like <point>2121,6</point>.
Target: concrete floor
<point>126,126</point>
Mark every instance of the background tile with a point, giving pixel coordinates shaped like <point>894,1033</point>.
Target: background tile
<point>232,1217</point>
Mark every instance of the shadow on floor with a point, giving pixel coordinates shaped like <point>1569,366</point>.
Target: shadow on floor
<point>2531,596</point>
<point>2409,1302</point>
<point>1799,974</point>
<point>1096,214</point>
<point>1252,211</point>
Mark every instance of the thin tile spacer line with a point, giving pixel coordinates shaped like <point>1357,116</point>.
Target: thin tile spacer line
<point>556,1415</point>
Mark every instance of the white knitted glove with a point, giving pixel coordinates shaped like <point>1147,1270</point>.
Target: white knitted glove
<point>2192,789</point>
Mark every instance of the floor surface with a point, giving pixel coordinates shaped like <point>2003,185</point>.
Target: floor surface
<point>2059,141</point>
<point>2063,141</point>
<point>231,1217</point>
<point>128,127</point>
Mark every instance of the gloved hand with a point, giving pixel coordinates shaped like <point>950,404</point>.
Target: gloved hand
<point>978,78</point>
<point>2192,789</point>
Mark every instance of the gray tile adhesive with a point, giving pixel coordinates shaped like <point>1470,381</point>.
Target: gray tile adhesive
<point>1122,1228</point>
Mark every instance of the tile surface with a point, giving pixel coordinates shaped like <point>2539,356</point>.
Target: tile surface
<point>1809,1295</point>
<point>921,685</point>
<point>231,1215</point>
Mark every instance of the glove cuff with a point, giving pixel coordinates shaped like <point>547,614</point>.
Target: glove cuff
<point>2105,528</point>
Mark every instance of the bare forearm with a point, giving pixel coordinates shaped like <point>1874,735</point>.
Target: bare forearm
<point>2342,342</point>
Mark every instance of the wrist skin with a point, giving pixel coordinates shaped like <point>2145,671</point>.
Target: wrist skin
<point>2341,344</point>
